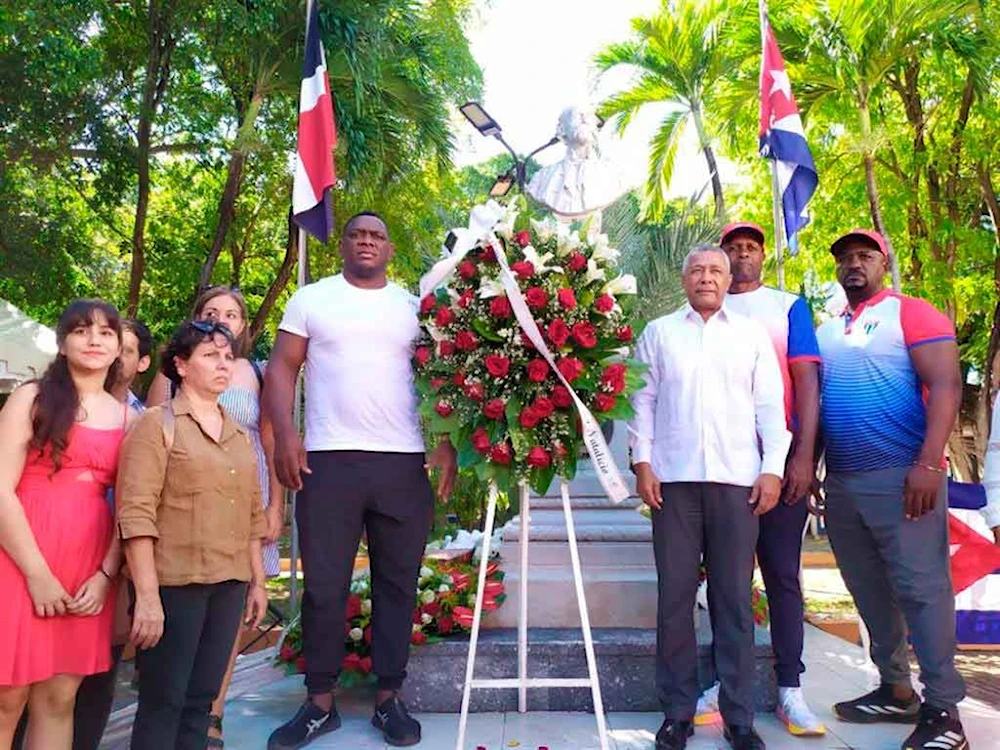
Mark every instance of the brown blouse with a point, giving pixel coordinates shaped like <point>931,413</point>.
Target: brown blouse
<point>201,503</point>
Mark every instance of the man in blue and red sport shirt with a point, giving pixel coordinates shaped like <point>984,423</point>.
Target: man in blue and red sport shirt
<point>789,325</point>
<point>890,395</point>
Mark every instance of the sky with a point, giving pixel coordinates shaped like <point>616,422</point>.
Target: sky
<point>536,59</point>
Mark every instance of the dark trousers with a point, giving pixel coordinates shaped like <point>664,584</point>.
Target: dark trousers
<point>388,496</point>
<point>91,711</point>
<point>779,554</point>
<point>180,676</point>
<point>899,573</point>
<point>714,519</point>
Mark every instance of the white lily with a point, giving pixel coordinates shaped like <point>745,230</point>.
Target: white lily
<point>594,272</point>
<point>434,331</point>
<point>568,242</point>
<point>505,226</point>
<point>624,284</point>
<point>545,229</point>
<point>489,288</point>
<point>603,250</point>
<point>540,262</point>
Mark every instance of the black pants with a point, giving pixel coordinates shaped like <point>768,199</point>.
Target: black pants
<point>91,711</point>
<point>388,496</point>
<point>714,519</point>
<point>180,676</point>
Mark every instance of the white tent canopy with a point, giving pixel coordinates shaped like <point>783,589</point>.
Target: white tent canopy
<point>26,347</point>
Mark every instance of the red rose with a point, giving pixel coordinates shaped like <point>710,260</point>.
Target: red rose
<point>300,664</point>
<point>613,378</point>
<point>566,297</point>
<point>488,254</point>
<point>438,382</point>
<point>432,609</point>
<point>365,664</point>
<point>561,398</point>
<point>500,307</point>
<point>466,341</point>
<point>523,238</point>
<point>577,262</point>
<point>445,624</point>
<point>538,370</point>
<point>463,616</point>
<point>497,365</point>
<point>444,316</point>
<point>465,299</point>
<point>287,653</point>
<point>543,407</point>
<point>351,662</point>
<point>558,332</point>
<point>570,367</point>
<point>481,441</point>
<point>368,635</point>
<point>539,458</point>
<point>624,334</point>
<point>584,334</point>
<point>529,418</point>
<point>444,408</point>
<point>536,298</point>
<point>523,268</point>
<point>475,391</point>
<point>501,454</point>
<point>604,402</point>
<point>466,269</point>
<point>422,355</point>
<point>494,408</point>
<point>604,304</point>
<point>353,606</point>
<point>458,378</point>
<point>427,304</point>
<point>446,348</point>
<point>418,638</point>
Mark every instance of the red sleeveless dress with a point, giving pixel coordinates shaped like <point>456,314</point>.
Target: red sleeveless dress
<point>72,521</point>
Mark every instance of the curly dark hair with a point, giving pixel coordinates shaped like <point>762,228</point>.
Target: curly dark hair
<point>57,402</point>
<point>185,340</point>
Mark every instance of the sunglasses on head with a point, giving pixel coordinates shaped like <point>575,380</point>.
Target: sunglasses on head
<point>211,327</point>
<point>231,288</point>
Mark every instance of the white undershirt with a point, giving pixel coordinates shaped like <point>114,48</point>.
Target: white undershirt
<point>359,378</point>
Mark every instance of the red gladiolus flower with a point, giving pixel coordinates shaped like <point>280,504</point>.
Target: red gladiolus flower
<point>353,606</point>
<point>422,355</point>
<point>561,398</point>
<point>523,268</point>
<point>570,367</point>
<point>494,408</point>
<point>604,304</point>
<point>624,334</point>
<point>536,298</point>
<point>475,391</point>
<point>463,616</point>
<point>446,348</point>
<point>465,298</point>
<point>500,307</point>
<point>604,402</point>
<point>444,408</point>
<point>481,441</point>
<point>427,304</point>
<point>492,568</point>
<point>418,638</point>
<point>538,370</point>
<point>444,316</point>
<point>351,662</point>
<point>488,254</point>
<point>584,334</point>
<point>529,418</point>
<point>543,407</point>
<point>466,341</point>
<point>523,238</point>
<point>566,297</point>
<point>539,458</point>
<point>577,262</point>
<point>466,269</point>
<point>489,605</point>
<point>459,581</point>
<point>613,378</point>
<point>501,454</point>
<point>445,624</point>
<point>365,664</point>
<point>493,589</point>
<point>497,365</point>
<point>558,332</point>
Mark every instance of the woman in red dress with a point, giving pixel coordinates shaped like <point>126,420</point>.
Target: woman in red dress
<point>59,556</point>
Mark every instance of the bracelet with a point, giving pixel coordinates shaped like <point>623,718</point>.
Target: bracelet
<point>930,467</point>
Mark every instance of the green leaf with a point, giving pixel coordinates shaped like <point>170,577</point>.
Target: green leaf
<point>541,479</point>
<point>484,329</point>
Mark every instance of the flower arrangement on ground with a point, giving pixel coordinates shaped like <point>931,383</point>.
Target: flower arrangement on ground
<point>445,598</point>
<point>485,385</point>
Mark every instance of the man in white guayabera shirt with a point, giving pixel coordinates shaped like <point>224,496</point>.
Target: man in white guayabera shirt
<point>709,441</point>
<point>361,468</point>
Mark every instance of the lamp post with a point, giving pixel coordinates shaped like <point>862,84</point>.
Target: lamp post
<point>487,126</point>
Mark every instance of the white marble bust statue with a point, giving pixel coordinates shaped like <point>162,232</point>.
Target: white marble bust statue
<point>581,183</point>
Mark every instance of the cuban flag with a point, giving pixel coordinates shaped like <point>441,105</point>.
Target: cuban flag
<point>975,566</point>
<point>782,139</point>
<point>312,204</point>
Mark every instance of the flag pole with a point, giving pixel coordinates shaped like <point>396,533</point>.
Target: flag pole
<point>779,251</point>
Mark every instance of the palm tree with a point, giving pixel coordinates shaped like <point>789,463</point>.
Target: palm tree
<point>680,54</point>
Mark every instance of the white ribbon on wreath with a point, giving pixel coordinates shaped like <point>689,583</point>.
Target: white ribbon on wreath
<point>482,221</point>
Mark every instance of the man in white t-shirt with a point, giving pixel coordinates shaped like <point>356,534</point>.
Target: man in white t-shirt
<point>360,468</point>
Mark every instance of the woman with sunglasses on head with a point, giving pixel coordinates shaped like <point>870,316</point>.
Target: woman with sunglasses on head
<point>191,519</point>
<point>242,400</point>
<point>59,556</point>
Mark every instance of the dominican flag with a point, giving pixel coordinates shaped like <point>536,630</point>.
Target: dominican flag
<point>782,139</point>
<point>312,205</point>
<point>975,566</point>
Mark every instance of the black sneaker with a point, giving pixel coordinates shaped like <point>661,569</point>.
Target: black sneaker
<point>936,730</point>
<point>743,738</point>
<point>673,735</point>
<point>397,726</point>
<point>309,722</point>
<point>877,706</point>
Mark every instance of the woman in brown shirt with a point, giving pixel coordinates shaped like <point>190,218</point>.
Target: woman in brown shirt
<point>190,514</point>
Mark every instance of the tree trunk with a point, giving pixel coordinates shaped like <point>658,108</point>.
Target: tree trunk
<point>713,168</point>
<point>871,188</point>
<point>281,280</point>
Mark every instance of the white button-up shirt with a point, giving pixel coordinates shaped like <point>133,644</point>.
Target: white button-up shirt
<point>713,402</point>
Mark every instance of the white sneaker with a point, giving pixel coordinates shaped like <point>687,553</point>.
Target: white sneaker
<point>796,715</point>
<point>707,711</point>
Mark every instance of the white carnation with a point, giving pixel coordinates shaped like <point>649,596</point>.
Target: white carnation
<point>356,634</point>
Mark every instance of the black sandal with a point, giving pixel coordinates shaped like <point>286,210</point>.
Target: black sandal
<point>215,722</point>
